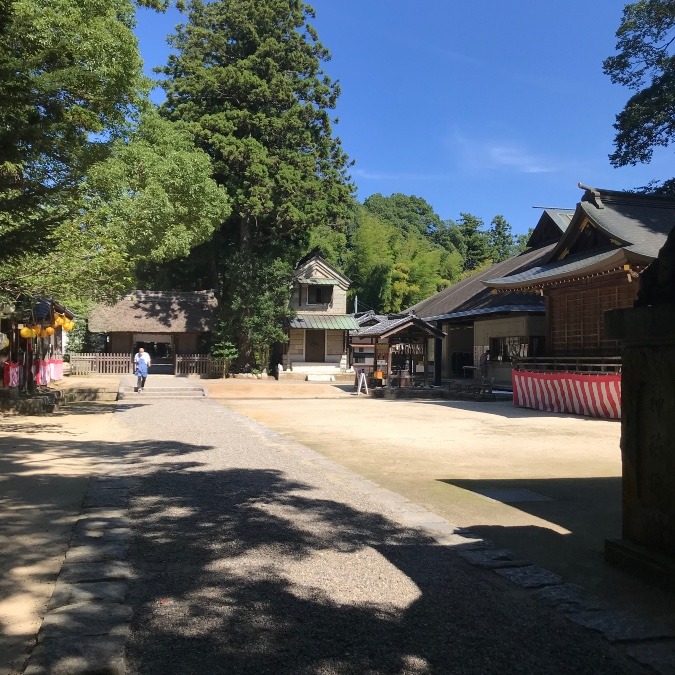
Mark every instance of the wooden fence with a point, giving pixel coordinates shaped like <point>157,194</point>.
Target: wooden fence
<point>202,365</point>
<point>102,364</point>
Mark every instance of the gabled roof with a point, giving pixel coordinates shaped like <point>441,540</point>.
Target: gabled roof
<point>608,229</point>
<point>314,269</point>
<point>552,224</point>
<point>471,293</point>
<point>156,312</point>
<point>390,327</point>
<point>369,318</point>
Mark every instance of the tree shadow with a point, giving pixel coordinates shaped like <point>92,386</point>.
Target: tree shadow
<point>588,511</point>
<point>42,487</point>
<point>249,571</point>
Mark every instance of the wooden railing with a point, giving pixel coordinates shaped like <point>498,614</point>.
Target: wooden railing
<point>102,364</point>
<point>583,365</point>
<point>202,365</point>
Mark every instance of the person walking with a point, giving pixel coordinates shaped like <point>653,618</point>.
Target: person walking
<point>142,364</point>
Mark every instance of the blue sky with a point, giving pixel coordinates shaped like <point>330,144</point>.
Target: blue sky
<point>487,107</point>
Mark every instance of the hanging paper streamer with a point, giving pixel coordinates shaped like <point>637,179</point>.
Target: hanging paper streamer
<point>10,375</point>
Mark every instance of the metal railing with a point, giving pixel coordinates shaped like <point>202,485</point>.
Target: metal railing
<point>100,364</point>
<point>583,365</point>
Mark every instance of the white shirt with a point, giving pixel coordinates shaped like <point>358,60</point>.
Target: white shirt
<point>145,356</point>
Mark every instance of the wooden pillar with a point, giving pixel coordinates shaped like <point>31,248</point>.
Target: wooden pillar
<point>389,373</point>
<point>438,361</point>
<point>426,359</point>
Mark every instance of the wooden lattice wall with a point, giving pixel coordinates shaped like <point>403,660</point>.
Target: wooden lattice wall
<point>576,315</point>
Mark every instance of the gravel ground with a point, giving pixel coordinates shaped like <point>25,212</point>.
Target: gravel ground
<point>253,554</point>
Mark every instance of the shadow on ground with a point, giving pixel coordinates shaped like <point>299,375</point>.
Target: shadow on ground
<point>248,571</point>
<point>588,510</point>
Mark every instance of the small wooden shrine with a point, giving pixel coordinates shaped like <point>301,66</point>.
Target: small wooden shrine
<point>394,352</point>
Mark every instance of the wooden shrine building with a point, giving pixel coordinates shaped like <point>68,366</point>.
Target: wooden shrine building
<point>400,349</point>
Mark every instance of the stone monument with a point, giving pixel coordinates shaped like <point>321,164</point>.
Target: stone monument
<point>647,335</point>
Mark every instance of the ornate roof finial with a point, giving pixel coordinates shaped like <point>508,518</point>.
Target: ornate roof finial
<point>592,195</point>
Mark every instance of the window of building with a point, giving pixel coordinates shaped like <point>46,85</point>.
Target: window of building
<point>510,348</point>
<point>319,295</point>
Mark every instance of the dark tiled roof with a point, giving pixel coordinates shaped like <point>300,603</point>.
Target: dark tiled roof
<point>637,226</point>
<point>156,312</point>
<point>471,293</point>
<point>561,269</point>
<point>534,308</point>
<point>324,321</point>
<point>389,327</point>
<point>552,224</point>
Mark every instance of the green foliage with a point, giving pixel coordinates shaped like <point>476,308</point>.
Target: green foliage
<point>407,213</point>
<point>91,179</point>
<point>256,296</point>
<point>370,261</point>
<point>254,96</point>
<point>646,64</point>
<point>330,241</point>
<point>522,239</point>
<point>70,74</point>
<point>400,252</point>
<point>222,349</point>
<point>475,241</point>
<point>246,80</point>
<point>151,199</point>
<point>501,241</point>
<point>155,191</point>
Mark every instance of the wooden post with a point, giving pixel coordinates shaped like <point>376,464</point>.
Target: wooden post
<point>389,372</point>
<point>425,353</point>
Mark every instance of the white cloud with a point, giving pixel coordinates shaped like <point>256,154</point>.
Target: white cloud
<point>500,155</point>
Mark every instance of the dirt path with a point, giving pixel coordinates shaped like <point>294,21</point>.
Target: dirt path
<point>543,485</point>
<point>45,466</point>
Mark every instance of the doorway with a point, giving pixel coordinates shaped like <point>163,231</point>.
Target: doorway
<point>315,346</point>
<point>161,349</point>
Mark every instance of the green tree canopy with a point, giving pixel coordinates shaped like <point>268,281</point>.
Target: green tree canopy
<point>91,179</point>
<point>152,199</point>
<point>501,241</point>
<point>645,63</point>
<point>475,240</point>
<point>407,213</point>
<point>370,261</point>
<point>246,79</point>
<point>70,74</point>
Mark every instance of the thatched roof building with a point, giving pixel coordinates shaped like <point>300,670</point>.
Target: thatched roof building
<point>167,317</point>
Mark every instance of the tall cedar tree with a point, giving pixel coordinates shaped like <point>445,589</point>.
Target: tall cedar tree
<point>246,78</point>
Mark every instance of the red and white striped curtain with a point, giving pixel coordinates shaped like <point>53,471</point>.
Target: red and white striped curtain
<point>590,395</point>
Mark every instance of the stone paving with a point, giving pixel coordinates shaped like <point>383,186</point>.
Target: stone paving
<point>225,547</point>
